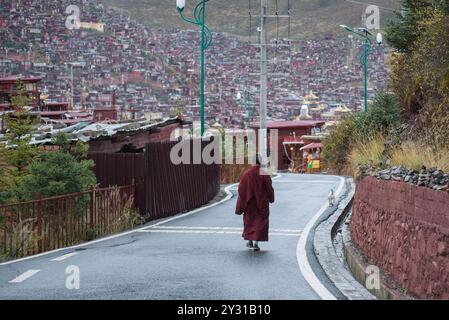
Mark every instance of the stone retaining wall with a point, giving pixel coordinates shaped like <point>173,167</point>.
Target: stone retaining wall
<point>404,230</point>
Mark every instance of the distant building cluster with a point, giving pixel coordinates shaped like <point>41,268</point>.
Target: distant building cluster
<point>116,68</point>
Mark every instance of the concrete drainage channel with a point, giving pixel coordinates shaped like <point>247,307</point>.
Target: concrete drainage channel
<point>343,264</point>
<point>330,249</point>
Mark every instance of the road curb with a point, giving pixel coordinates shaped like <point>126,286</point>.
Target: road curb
<point>307,261</point>
<point>324,246</point>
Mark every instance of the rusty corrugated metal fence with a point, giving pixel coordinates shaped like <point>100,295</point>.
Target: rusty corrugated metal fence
<point>162,188</point>
<point>119,169</point>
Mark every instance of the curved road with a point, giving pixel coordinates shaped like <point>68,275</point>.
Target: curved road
<point>194,256</point>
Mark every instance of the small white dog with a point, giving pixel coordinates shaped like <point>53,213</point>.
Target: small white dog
<point>331,198</point>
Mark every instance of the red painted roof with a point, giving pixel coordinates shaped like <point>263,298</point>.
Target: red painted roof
<point>56,103</point>
<point>14,79</point>
<point>293,140</point>
<point>105,109</point>
<point>297,140</point>
<point>51,113</point>
<point>291,124</point>
<point>63,112</point>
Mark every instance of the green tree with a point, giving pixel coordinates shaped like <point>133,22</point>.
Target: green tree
<point>403,31</point>
<point>79,150</point>
<point>381,118</point>
<point>420,69</point>
<point>18,153</point>
<point>61,139</point>
<point>28,173</point>
<point>4,185</point>
<point>53,174</point>
<point>337,146</point>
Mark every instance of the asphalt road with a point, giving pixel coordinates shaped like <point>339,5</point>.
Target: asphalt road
<point>198,256</point>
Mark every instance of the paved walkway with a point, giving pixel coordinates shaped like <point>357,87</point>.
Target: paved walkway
<point>199,256</point>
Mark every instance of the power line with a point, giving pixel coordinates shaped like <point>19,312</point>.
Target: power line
<point>366,3</point>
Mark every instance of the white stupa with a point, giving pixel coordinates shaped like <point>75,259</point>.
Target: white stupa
<point>304,115</point>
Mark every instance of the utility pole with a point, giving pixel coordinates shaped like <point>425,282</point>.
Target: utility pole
<point>263,141</point>
<point>72,89</point>
<point>29,52</point>
<point>4,66</point>
<point>264,61</point>
<point>72,99</point>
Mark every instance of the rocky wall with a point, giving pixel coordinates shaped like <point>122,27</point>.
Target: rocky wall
<point>404,230</point>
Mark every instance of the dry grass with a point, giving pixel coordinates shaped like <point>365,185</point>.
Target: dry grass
<point>364,152</point>
<point>413,156</point>
<point>231,173</point>
<point>409,154</point>
<point>129,217</point>
<point>24,239</point>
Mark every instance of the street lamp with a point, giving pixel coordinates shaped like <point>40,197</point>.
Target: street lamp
<point>180,4</point>
<point>379,38</point>
<point>199,14</point>
<point>365,33</point>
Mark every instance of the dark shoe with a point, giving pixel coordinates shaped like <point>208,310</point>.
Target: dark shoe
<point>249,244</point>
<point>256,247</point>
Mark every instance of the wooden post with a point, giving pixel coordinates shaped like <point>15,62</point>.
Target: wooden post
<point>133,191</point>
<point>92,207</point>
<point>39,223</point>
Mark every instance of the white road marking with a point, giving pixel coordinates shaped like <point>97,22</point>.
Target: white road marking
<point>66,256</point>
<point>228,197</point>
<point>189,231</point>
<point>24,276</point>
<point>219,228</point>
<point>299,181</point>
<point>307,181</point>
<point>180,231</point>
<point>213,230</point>
<point>301,253</point>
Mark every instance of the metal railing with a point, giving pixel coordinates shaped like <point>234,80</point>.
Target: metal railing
<point>45,224</point>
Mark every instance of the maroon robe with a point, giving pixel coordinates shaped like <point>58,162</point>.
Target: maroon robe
<point>255,195</point>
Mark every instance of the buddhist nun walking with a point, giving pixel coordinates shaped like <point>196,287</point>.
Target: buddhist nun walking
<point>255,195</point>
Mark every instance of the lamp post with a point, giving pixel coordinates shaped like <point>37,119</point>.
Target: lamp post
<point>365,34</point>
<point>199,14</point>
